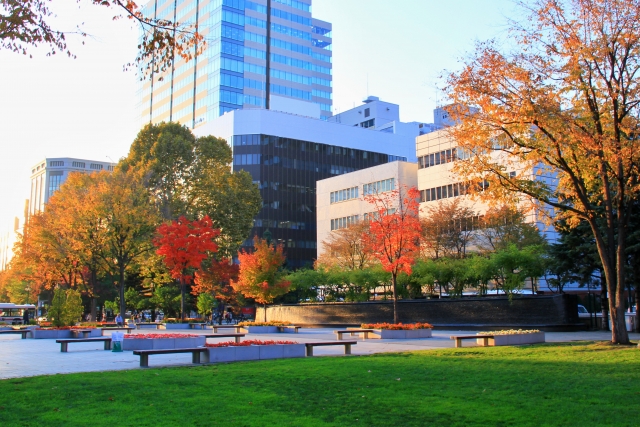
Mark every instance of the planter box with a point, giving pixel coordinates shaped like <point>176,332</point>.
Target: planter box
<point>515,339</point>
<point>390,334</point>
<point>174,326</point>
<point>260,329</point>
<point>256,352</point>
<point>130,344</point>
<point>60,333</point>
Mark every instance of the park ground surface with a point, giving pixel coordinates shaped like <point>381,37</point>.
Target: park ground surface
<point>582,383</point>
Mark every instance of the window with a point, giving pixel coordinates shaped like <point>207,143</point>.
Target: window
<point>56,163</point>
<point>95,166</point>
<point>367,112</point>
<point>79,165</point>
<point>344,222</point>
<point>378,186</point>
<point>342,195</point>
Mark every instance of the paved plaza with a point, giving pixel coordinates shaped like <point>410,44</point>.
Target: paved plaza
<point>30,357</point>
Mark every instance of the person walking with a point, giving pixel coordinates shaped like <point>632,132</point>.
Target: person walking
<point>119,320</point>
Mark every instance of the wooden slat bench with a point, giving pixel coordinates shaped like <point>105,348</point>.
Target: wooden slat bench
<point>22,332</point>
<point>282,328</point>
<point>195,354</point>
<point>347,345</point>
<point>236,337</point>
<point>216,327</point>
<point>459,338</point>
<point>364,332</point>
<point>123,328</point>
<point>65,342</point>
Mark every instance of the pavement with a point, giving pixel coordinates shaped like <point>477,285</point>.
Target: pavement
<point>31,357</point>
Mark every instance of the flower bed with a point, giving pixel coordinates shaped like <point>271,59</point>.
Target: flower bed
<point>263,327</point>
<point>161,341</point>
<point>513,337</point>
<point>174,326</point>
<point>399,330</point>
<point>254,350</point>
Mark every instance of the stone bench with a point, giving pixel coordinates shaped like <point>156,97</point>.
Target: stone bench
<point>282,328</point>
<point>196,325</point>
<point>65,342</point>
<point>22,332</point>
<point>195,354</point>
<point>85,332</point>
<point>459,338</point>
<point>347,345</point>
<point>364,332</point>
<point>216,327</point>
<point>236,337</point>
<point>122,328</point>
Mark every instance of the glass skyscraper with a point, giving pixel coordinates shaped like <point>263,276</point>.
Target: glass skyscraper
<point>254,49</point>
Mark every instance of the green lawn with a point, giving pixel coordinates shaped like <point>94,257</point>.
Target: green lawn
<point>578,384</point>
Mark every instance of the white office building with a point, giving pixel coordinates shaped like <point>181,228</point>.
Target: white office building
<point>48,175</point>
<point>341,200</point>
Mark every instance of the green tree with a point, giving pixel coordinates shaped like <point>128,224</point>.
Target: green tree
<point>55,312</point>
<point>192,177</point>
<point>205,304</point>
<point>73,309</point>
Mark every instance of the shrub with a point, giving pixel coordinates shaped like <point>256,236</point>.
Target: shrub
<point>247,343</point>
<point>72,311</point>
<point>271,323</point>
<point>56,310</point>
<point>511,332</point>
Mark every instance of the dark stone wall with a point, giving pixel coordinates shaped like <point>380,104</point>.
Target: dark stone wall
<point>526,311</point>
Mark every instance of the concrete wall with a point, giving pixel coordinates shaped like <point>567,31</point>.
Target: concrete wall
<point>548,312</point>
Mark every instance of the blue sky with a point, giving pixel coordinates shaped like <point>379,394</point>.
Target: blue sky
<point>86,107</point>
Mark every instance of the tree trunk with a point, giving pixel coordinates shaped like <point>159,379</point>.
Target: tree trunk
<point>182,299</point>
<point>94,309</point>
<point>123,306</point>
<point>395,297</point>
<point>264,307</point>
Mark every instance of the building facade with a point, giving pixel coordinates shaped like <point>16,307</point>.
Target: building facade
<point>340,200</point>
<point>254,49</point>
<point>286,155</point>
<point>48,175</point>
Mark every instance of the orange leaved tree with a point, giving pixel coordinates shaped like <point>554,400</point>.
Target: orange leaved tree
<point>261,274</point>
<point>216,279</point>
<point>184,244</point>
<point>394,232</point>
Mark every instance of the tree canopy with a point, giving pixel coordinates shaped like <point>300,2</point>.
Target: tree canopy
<point>562,107</point>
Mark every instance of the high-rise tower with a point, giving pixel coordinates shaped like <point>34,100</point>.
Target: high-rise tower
<point>254,49</point>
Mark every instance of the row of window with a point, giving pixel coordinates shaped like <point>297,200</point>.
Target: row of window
<point>321,93</point>
<point>305,65</point>
<point>344,222</point>
<point>379,186</point>
<point>291,188</point>
<point>440,158</point>
<point>342,195</point>
<point>295,144</point>
<point>246,159</point>
<point>308,165</point>
<point>295,4</point>
<point>94,166</point>
<point>444,192</point>
<point>289,91</point>
<point>290,243</point>
<point>288,206</point>
<point>294,47</point>
<point>368,123</point>
<point>290,225</point>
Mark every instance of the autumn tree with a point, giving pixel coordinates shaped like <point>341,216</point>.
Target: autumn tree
<point>562,107</point>
<point>448,229</point>
<point>192,177</point>
<point>394,233</point>
<point>261,276</point>
<point>503,226</point>
<point>184,244</point>
<point>344,248</point>
<point>26,24</point>
<point>215,279</point>
<point>130,220</point>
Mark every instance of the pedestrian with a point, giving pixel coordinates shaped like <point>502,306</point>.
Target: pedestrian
<point>25,317</point>
<point>119,321</point>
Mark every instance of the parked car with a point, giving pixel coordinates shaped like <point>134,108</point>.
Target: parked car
<point>582,311</point>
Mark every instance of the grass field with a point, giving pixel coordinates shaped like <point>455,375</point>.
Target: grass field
<point>578,384</point>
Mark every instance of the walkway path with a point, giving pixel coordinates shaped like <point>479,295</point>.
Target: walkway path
<point>22,358</point>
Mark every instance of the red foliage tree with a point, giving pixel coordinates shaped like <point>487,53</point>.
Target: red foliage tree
<point>394,233</point>
<point>184,244</point>
<point>216,280</point>
<point>261,275</point>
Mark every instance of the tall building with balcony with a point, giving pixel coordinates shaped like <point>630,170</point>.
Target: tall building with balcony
<point>255,49</point>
